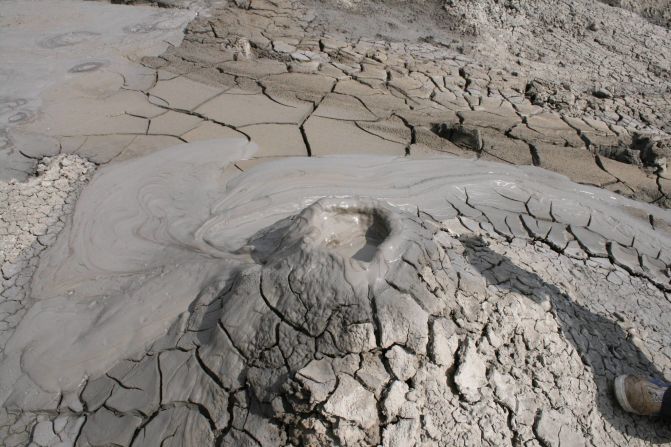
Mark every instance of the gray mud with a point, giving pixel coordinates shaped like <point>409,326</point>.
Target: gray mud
<point>347,300</point>
<point>155,242</point>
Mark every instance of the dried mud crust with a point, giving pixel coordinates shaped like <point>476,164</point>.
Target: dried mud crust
<point>468,338</point>
<point>494,314</point>
<point>32,214</point>
<point>545,84</point>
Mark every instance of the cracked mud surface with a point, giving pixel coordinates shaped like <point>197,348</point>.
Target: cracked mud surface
<point>588,98</point>
<point>579,88</point>
<point>31,216</point>
<point>489,309</point>
<point>219,293</point>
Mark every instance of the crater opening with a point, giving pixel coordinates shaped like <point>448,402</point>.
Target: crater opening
<point>353,232</point>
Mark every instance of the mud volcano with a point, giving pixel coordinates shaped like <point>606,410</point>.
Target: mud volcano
<point>341,301</point>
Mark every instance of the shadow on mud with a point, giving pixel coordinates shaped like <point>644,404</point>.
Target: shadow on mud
<point>601,343</point>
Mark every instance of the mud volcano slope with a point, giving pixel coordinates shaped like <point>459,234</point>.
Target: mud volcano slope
<point>341,301</point>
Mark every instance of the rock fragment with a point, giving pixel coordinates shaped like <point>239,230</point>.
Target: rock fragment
<point>353,402</point>
<point>471,372</point>
<point>468,138</point>
<point>402,363</point>
<point>444,342</point>
<point>553,431</point>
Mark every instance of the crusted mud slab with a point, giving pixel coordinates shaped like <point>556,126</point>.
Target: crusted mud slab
<point>580,88</point>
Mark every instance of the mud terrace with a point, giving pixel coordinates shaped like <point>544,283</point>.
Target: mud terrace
<point>266,223</point>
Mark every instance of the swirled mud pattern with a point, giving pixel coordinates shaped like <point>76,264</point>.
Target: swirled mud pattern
<point>162,247</point>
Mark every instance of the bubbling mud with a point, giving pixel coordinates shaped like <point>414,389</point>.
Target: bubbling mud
<point>356,233</point>
<point>149,235</point>
<point>354,227</point>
